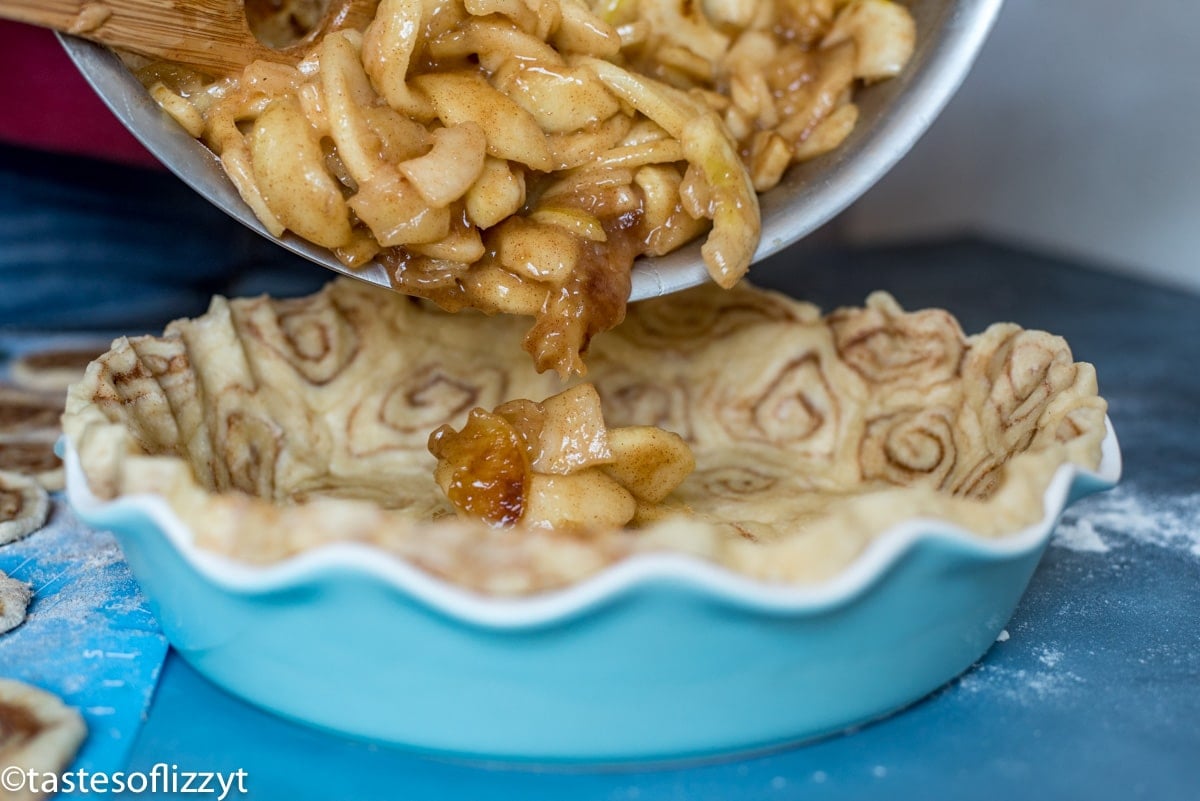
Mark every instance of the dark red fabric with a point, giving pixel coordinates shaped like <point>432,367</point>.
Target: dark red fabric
<point>46,104</point>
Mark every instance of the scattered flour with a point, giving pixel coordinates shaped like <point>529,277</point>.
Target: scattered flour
<point>1024,686</point>
<point>1080,536</point>
<point>91,564</point>
<point>88,637</point>
<point>1050,657</point>
<point>1123,515</point>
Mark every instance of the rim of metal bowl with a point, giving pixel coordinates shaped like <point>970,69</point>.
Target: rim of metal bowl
<point>893,116</point>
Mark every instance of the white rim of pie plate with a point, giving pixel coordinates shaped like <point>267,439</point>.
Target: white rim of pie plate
<point>638,569</point>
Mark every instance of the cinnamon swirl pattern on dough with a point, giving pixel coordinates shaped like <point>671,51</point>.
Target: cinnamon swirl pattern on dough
<point>276,426</point>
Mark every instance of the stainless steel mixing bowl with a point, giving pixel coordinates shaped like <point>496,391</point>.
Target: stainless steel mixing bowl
<point>893,115</point>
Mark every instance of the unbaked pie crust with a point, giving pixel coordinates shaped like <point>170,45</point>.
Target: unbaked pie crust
<point>276,426</point>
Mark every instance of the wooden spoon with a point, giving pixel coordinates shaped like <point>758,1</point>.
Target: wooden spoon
<point>213,36</point>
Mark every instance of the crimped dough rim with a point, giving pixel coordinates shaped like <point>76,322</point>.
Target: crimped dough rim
<point>366,562</point>
<point>688,343</point>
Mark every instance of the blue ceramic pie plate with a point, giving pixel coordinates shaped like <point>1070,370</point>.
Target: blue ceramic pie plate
<point>658,657</point>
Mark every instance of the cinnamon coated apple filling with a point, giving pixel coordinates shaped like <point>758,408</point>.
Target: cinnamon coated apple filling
<point>517,156</point>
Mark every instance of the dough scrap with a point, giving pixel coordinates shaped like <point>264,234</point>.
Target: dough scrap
<point>14,601</point>
<point>29,427</point>
<point>51,370</point>
<point>37,732</point>
<point>24,506</point>
<point>22,411</point>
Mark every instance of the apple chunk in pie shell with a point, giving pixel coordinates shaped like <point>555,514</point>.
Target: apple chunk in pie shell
<point>276,426</point>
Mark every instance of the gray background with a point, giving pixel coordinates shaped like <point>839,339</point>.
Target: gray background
<point>1077,134</point>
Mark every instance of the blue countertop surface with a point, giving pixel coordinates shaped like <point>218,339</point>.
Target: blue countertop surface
<point>1092,692</point>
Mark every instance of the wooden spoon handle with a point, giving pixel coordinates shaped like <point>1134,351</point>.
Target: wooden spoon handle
<point>68,16</point>
<point>211,35</point>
